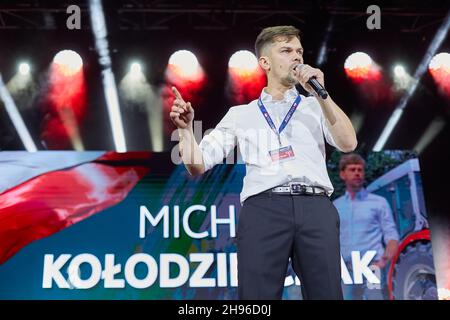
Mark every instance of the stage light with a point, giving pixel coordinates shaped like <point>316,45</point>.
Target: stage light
<point>68,61</point>
<point>66,102</point>
<point>439,68</point>
<point>137,94</point>
<point>185,64</point>
<point>358,60</point>
<point>135,74</point>
<point>399,71</point>
<point>360,66</point>
<point>439,37</point>
<point>243,62</point>
<point>402,79</point>
<point>135,68</point>
<point>440,61</point>
<point>184,72</point>
<point>16,117</point>
<point>245,78</point>
<point>24,68</point>
<point>100,33</point>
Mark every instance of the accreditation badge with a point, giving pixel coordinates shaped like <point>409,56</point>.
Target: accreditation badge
<point>282,154</point>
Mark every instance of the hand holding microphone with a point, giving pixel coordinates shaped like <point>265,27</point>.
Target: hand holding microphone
<point>311,79</point>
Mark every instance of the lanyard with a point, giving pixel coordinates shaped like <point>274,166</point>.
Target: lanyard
<point>285,120</point>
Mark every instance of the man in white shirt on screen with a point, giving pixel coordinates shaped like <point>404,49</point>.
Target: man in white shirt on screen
<point>286,210</point>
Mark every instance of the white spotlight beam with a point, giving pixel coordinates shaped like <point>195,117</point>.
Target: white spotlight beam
<point>16,118</point>
<point>430,133</point>
<point>109,83</point>
<point>440,36</point>
<point>323,55</point>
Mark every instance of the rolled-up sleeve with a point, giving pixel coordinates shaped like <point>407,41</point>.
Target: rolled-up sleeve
<point>326,131</point>
<point>387,223</point>
<point>216,145</point>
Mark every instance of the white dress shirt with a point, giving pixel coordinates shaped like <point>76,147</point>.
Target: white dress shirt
<point>246,126</point>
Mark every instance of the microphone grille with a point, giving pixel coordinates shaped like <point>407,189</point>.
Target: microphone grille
<point>299,66</point>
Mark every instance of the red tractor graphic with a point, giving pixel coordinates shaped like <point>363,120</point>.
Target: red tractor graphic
<point>411,274</point>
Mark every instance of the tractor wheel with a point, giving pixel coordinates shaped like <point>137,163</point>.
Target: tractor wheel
<point>414,276</point>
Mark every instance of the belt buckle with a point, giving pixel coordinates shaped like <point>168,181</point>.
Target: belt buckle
<point>297,189</point>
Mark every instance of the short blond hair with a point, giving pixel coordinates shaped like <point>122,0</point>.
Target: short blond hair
<point>270,34</point>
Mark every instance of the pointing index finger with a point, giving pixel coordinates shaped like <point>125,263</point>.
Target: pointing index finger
<point>177,94</point>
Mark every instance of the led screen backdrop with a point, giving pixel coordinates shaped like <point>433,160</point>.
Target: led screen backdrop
<point>106,225</point>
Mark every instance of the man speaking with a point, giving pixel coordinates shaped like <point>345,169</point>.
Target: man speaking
<point>281,136</point>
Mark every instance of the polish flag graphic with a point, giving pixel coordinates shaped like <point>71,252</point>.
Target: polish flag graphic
<point>44,192</point>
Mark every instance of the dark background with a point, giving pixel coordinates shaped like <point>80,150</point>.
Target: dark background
<point>151,30</point>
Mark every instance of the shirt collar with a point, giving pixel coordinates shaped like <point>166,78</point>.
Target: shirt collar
<point>289,95</point>
<point>360,195</point>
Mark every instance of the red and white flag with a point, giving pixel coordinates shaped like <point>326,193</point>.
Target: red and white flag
<point>44,192</point>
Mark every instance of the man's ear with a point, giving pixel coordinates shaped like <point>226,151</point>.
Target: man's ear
<point>264,63</point>
<point>341,174</point>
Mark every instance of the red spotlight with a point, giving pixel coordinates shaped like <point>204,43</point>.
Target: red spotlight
<point>184,72</point>
<point>359,67</point>
<point>184,65</point>
<point>440,71</point>
<point>246,78</point>
<point>371,84</point>
<point>65,104</point>
<point>68,62</point>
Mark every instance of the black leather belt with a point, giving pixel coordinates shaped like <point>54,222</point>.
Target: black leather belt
<point>298,189</point>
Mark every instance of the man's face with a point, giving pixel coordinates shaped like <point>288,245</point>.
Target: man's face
<point>280,58</point>
<point>353,176</point>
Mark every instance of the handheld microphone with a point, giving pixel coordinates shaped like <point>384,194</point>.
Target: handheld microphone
<point>318,88</point>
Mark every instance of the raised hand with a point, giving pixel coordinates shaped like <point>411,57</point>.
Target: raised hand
<point>181,113</point>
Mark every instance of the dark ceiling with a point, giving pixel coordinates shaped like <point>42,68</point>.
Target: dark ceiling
<point>152,30</point>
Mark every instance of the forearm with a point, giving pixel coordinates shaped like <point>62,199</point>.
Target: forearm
<point>191,153</point>
<point>391,248</point>
<point>339,125</point>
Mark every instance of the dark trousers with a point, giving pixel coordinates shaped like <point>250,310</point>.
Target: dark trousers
<point>273,228</point>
